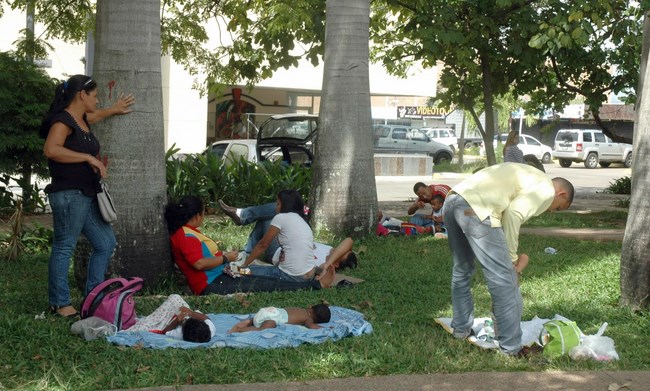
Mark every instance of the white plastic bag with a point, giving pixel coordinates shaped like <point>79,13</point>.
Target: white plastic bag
<point>596,347</point>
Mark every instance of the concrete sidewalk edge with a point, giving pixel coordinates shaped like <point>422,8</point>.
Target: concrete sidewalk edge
<point>551,380</point>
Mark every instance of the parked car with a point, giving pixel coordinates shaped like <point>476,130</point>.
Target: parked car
<point>591,147</point>
<point>448,136</point>
<point>443,135</point>
<point>286,137</point>
<point>233,150</point>
<point>529,145</point>
<point>401,139</point>
<point>498,138</point>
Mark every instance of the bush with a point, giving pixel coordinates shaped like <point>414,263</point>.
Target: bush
<point>239,183</point>
<point>20,239</point>
<point>620,186</point>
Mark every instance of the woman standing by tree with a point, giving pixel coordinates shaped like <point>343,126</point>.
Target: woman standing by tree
<point>73,159</point>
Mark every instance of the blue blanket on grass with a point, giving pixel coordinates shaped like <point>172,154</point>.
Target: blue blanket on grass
<point>344,322</point>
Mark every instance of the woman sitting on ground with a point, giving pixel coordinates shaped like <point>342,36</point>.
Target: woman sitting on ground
<point>296,239</point>
<point>262,215</point>
<point>200,260</point>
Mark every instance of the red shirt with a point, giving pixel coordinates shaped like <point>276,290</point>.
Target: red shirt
<point>443,190</point>
<point>189,245</point>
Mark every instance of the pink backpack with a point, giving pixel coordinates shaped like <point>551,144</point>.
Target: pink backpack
<point>112,300</point>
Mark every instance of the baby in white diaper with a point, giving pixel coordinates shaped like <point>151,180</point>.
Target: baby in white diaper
<point>270,317</point>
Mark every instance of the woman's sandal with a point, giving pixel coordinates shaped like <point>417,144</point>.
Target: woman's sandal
<point>54,309</point>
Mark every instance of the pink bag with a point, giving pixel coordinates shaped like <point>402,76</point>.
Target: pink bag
<point>112,300</point>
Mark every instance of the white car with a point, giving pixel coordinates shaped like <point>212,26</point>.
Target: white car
<point>442,135</point>
<point>232,150</point>
<point>529,146</point>
<point>532,146</point>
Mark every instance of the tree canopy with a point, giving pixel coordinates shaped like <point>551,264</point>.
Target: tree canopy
<point>549,52</point>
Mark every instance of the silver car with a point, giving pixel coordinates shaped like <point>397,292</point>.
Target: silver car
<point>401,139</point>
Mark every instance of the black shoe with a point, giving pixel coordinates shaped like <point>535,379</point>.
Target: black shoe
<point>528,351</point>
<point>230,212</point>
<point>344,284</point>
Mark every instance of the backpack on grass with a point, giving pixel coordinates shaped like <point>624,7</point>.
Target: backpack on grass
<point>112,301</point>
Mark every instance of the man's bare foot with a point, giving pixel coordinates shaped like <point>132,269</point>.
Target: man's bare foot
<point>326,277</point>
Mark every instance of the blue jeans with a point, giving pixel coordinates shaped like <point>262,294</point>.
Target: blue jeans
<point>418,219</point>
<point>73,214</point>
<point>275,272</point>
<point>469,239</point>
<point>261,215</point>
<point>225,284</point>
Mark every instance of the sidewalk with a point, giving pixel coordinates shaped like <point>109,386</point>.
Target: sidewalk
<point>509,381</point>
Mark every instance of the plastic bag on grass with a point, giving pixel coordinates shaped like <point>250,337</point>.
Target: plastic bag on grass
<point>596,347</point>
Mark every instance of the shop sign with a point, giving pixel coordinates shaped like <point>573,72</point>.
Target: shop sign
<point>421,112</point>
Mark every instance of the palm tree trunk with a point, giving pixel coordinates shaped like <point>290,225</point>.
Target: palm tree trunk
<point>635,257</point>
<point>344,192</point>
<point>127,60</point>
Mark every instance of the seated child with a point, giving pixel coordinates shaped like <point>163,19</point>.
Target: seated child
<point>436,216</point>
<point>174,318</point>
<point>271,317</point>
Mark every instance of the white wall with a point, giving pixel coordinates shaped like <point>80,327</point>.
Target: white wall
<point>185,111</point>
<point>419,82</point>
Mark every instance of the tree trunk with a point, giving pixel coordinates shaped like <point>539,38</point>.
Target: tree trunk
<point>127,60</point>
<point>488,107</point>
<point>344,192</point>
<point>635,257</point>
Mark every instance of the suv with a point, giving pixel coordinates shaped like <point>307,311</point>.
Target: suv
<point>591,147</point>
<point>442,135</point>
<point>401,139</point>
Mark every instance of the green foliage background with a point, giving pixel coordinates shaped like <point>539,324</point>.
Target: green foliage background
<point>25,96</point>
<point>240,183</point>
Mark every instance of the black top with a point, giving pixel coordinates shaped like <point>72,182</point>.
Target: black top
<point>66,176</point>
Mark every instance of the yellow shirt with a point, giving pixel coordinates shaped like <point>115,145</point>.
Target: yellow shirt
<point>510,194</point>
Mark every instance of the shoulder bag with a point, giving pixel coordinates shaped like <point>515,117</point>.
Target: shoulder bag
<point>106,205</point>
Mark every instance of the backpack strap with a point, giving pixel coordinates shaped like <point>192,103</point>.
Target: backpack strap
<point>96,292</point>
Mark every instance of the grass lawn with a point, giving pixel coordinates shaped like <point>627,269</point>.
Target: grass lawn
<point>407,286</point>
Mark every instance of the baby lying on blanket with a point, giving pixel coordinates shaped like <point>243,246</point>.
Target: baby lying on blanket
<point>175,319</point>
<point>270,317</point>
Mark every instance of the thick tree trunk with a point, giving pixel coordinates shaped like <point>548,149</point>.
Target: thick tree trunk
<point>635,257</point>
<point>344,192</point>
<point>127,60</point>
